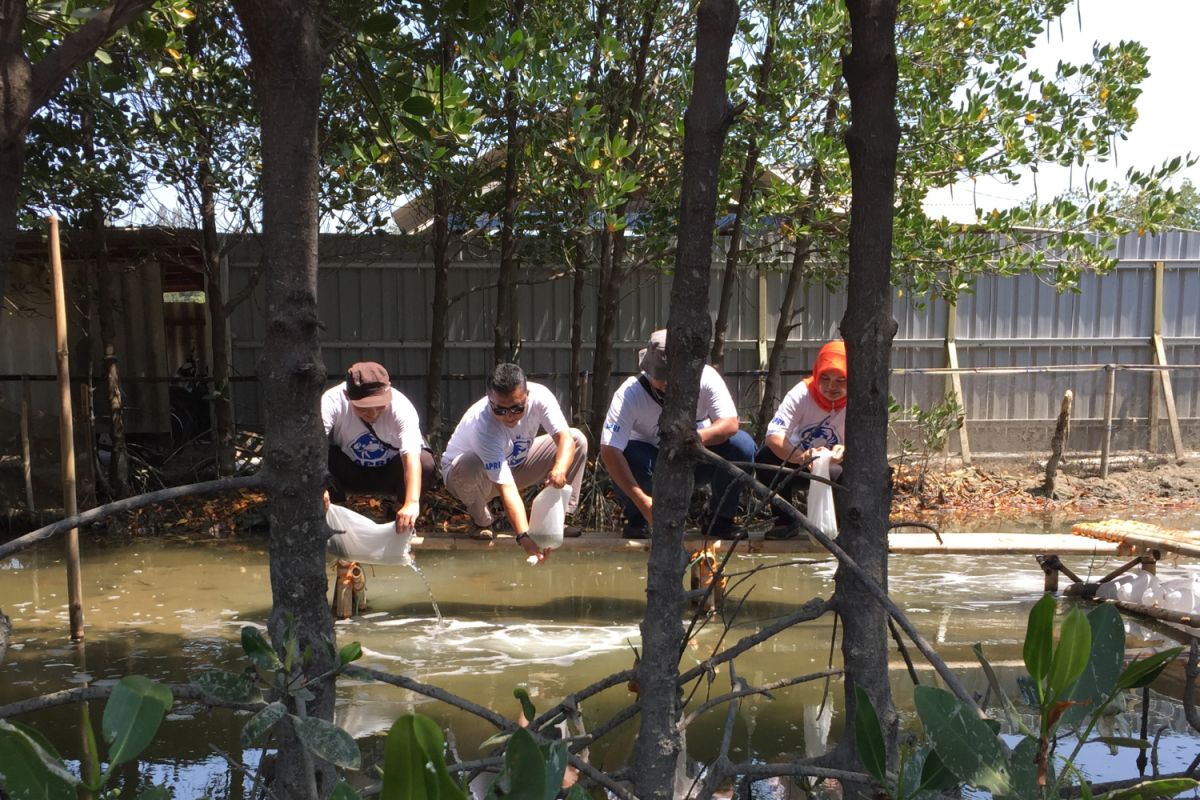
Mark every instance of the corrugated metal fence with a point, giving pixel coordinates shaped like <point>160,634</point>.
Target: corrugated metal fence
<point>375,295</point>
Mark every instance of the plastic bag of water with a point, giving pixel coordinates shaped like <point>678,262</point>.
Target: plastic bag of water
<point>361,539</point>
<point>548,515</point>
<point>820,495</point>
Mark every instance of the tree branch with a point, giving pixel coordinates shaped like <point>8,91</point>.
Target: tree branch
<point>130,503</point>
<point>851,566</point>
<point>49,74</point>
<point>180,691</point>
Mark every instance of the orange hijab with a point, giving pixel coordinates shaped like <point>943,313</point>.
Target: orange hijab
<point>831,358</point>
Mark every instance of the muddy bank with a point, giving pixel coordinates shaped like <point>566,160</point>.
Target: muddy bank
<point>1138,486</point>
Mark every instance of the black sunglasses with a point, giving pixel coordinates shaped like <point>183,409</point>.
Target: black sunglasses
<point>506,411</point>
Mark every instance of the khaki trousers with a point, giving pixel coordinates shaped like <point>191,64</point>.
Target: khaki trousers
<point>467,480</point>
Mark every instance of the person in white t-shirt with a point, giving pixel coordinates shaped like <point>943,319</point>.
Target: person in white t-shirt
<point>496,451</point>
<point>375,443</point>
<point>812,417</point>
<point>629,442</point>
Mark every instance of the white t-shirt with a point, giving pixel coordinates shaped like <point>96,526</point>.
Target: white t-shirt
<point>498,446</point>
<point>398,426</point>
<point>804,424</point>
<point>633,414</point>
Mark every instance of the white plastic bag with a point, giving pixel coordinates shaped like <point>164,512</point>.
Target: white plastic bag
<point>547,515</point>
<point>820,495</point>
<point>361,539</point>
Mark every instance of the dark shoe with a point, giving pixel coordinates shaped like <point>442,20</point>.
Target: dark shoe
<point>635,530</point>
<point>479,531</point>
<point>572,531</point>
<point>782,529</point>
<point>726,528</point>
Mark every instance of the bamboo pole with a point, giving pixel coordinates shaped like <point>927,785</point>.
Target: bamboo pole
<point>1156,330</point>
<point>66,436</point>
<point>954,381</point>
<point>1110,391</point>
<point>26,458</point>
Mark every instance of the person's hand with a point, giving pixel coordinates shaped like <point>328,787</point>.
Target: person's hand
<point>530,546</point>
<point>325,499</point>
<point>557,478</point>
<point>839,453</point>
<point>406,516</point>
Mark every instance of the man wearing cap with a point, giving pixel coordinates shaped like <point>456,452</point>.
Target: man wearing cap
<point>375,441</point>
<point>495,451</point>
<point>629,442</point>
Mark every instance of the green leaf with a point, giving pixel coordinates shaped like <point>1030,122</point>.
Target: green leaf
<point>31,767</point>
<point>964,743</point>
<point>1039,639</point>
<point>342,791</point>
<point>350,653</point>
<point>869,736</point>
<point>1103,667</point>
<point>934,775</point>
<point>231,687</point>
<point>578,793</point>
<point>1164,787</point>
<point>328,741</point>
<point>258,726</point>
<point>1071,655</point>
<point>1123,741</point>
<point>523,776</point>
<point>414,764</point>
<point>418,105</point>
<point>1023,771</point>
<point>132,715</point>
<point>556,766</point>
<point>416,128</point>
<point>527,707</point>
<point>259,650</point>
<point>1143,671</point>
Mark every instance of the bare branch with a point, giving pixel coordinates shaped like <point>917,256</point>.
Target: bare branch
<point>130,503</point>
<point>844,559</point>
<point>180,691</point>
<point>428,690</point>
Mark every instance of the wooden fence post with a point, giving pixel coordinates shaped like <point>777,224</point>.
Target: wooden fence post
<point>66,433</point>
<point>954,380</point>
<point>26,457</point>
<point>1110,392</point>
<point>1164,375</point>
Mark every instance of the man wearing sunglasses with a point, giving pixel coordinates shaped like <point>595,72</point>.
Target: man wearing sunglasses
<point>496,451</point>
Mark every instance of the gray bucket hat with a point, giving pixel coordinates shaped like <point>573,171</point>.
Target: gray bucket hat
<point>653,358</point>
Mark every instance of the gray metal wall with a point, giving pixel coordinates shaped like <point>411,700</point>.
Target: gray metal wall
<point>375,295</point>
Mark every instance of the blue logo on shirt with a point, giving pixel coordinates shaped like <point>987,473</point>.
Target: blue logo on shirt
<point>612,426</point>
<point>520,450</point>
<point>369,451</point>
<point>820,434</point>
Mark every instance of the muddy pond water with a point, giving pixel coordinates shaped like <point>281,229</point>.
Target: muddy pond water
<point>168,609</point>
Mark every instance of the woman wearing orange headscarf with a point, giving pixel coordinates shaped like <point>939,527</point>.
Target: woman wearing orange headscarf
<point>812,417</point>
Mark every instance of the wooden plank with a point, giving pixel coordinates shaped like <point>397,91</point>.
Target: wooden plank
<point>1110,392</point>
<point>1160,353</point>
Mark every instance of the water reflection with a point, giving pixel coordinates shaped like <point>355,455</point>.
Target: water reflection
<point>169,609</point>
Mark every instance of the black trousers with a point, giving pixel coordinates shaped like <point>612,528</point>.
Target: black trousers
<point>346,477</point>
<point>791,487</point>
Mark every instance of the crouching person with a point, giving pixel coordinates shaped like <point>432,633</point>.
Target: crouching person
<point>375,443</point>
<point>496,451</point>
<point>812,416</point>
<point>629,442</point>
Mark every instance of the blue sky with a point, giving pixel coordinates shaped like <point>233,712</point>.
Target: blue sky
<point>1168,111</point>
